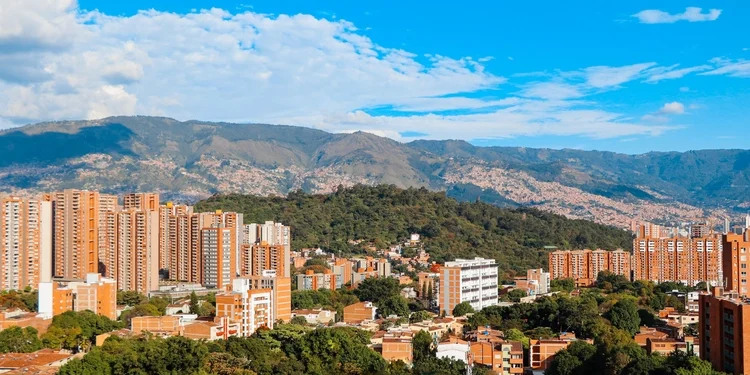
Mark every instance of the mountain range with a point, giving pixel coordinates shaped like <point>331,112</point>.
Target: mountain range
<point>194,159</point>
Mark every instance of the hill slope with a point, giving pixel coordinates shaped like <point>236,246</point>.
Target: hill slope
<point>197,159</point>
<point>385,214</point>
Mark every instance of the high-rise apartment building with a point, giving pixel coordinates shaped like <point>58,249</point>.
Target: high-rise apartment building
<point>219,257</point>
<point>735,261</point>
<point>468,280</point>
<point>137,250</point>
<point>76,239</point>
<point>175,241</point>
<point>679,259</point>
<point>24,242</point>
<point>108,206</point>
<point>252,309</point>
<point>584,266</point>
<point>311,280</point>
<point>141,201</point>
<point>267,257</point>
<point>724,324</point>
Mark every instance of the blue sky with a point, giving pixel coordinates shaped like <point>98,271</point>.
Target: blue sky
<point>630,77</point>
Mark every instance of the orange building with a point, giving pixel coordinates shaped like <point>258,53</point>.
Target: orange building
<point>584,266</point>
<point>22,241</point>
<point>359,312</point>
<point>679,259</point>
<point>141,201</point>
<point>397,346</point>
<point>137,250</point>
<point>94,293</point>
<point>163,326</point>
<point>23,319</point>
<point>343,267</point>
<point>542,352</point>
<point>736,251</point>
<point>220,328</point>
<point>723,319</point>
<point>219,257</point>
<point>669,345</point>
<point>266,257</point>
<point>76,239</point>
<point>107,236</point>
<point>281,288</point>
<point>502,357</point>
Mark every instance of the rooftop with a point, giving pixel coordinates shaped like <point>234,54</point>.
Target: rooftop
<point>38,358</point>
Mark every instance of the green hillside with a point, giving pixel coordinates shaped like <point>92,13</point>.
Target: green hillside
<point>450,229</point>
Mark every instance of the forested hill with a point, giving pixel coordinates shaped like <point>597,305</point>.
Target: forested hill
<point>450,229</point>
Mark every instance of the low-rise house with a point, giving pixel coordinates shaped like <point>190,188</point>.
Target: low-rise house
<point>669,345</point>
<point>397,345</point>
<point>359,312</point>
<point>315,316</point>
<point>220,328</point>
<point>46,358</point>
<point>23,319</point>
<point>453,348</point>
<point>542,352</point>
<point>178,308</point>
<point>502,357</point>
<point>641,338</point>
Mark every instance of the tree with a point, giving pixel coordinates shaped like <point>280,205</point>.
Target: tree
<point>130,298</point>
<point>516,335</point>
<point>300,320</point>
<point>376,289</point>
<point>515,295</point>
<point>420,316</point>
<point>462,309</point>
<point>624,315</point>
<point>393,305</point>
<point>19,340</point>
<point>194,303</point>
<point>562,285</point>
<point>422,346</point>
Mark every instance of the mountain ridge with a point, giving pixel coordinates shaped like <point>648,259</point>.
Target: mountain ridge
<point>198,159</point>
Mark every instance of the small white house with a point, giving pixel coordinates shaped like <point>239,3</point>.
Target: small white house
<point>455,349</point>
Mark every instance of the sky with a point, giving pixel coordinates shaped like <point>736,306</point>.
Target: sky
<point>631,76</point>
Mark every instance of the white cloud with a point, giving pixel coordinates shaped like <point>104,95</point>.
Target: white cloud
<point>684,89</point>
<point>673,108</point>
<point>297,70</point>
<point>675,73</point>
<point>691,14</point>
<point>607,76</point>
<point>738,68</point>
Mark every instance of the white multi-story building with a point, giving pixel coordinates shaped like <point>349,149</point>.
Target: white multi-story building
<point>468,280</point>
<point>251,308</point>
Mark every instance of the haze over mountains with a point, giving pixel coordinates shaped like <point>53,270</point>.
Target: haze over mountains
<point>195,159</point>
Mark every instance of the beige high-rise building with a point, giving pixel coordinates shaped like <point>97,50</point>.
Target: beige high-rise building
<point>22,242</point>
<point>138,250</point>
<point>106,243</point>
<point>141,201</point>
<point>76,239</point>
<point>174,240</point>
<point>219,259</point>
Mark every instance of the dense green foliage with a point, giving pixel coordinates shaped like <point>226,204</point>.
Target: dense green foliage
<point>288,349</point>
<point>77,330</point>
<point>385,215</point>
<point>19,340</point>
<point>462,309</point>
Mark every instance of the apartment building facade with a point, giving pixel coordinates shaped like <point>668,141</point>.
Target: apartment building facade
<point>735,260</point>
<point>679,259</point>
<point>137,267</point>
<point>25,242</point>
<point>584,266</point>
<point>468,280</point>
<point>724,327</point>
<point>252,309</point>
<point>76,233</point>
<point>94,293</point>
<point>280,287</point>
